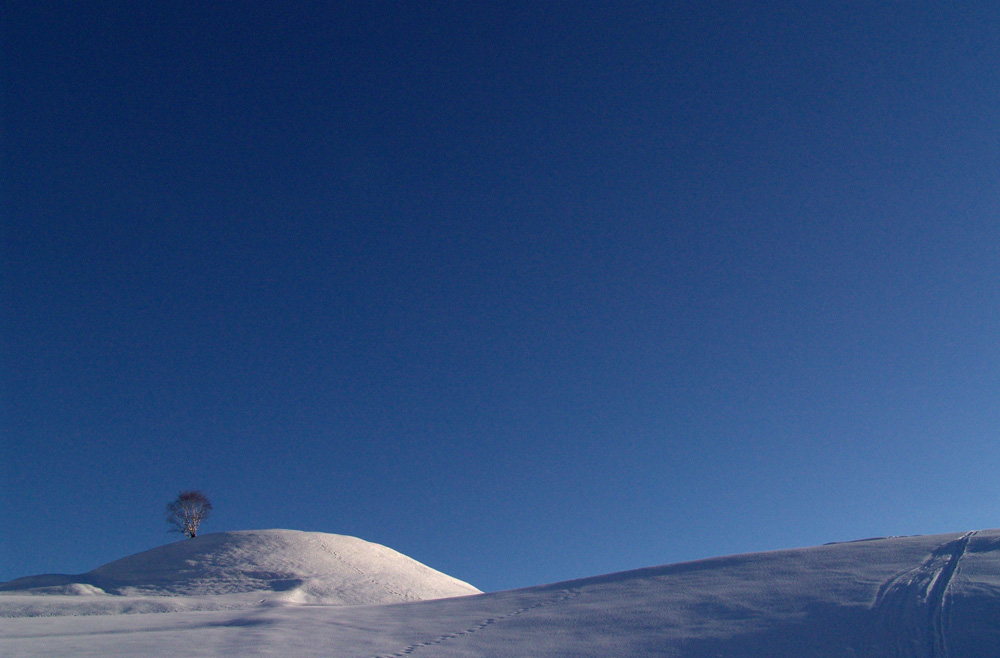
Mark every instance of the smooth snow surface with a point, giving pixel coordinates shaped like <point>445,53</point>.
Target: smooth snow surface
<point>909,597</point>
<point>233,569</point>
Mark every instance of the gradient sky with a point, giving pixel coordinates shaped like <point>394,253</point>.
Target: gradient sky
<point>527,291</point>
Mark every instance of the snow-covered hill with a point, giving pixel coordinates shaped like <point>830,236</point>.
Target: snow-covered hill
<point>227,569</point>
<point>909,597</point>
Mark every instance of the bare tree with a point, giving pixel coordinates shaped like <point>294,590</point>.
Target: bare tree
<point>187,512</point>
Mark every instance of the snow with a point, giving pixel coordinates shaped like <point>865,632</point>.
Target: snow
<point>904,597</point>
<point>234,569</point>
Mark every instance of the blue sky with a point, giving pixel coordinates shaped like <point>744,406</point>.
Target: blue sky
<point>527,292</point>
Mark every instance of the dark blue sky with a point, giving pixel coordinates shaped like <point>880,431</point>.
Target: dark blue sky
<point>527,292</point>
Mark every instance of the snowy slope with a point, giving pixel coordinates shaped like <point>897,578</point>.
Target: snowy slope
<point>912,597</point>
<point>227,569</point>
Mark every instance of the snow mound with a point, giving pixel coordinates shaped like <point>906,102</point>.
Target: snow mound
<point>278,565</point>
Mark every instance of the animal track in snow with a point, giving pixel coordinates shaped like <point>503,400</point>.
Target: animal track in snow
<point>564,595</point>
<point>335,554</point>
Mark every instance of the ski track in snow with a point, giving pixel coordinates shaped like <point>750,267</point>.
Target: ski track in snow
<point>564,595</point>
<point>912,607</point>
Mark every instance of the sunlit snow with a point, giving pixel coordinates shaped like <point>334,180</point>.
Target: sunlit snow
<point>287,593</point>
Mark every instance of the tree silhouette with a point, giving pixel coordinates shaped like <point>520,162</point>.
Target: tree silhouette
<point>187,512</point>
